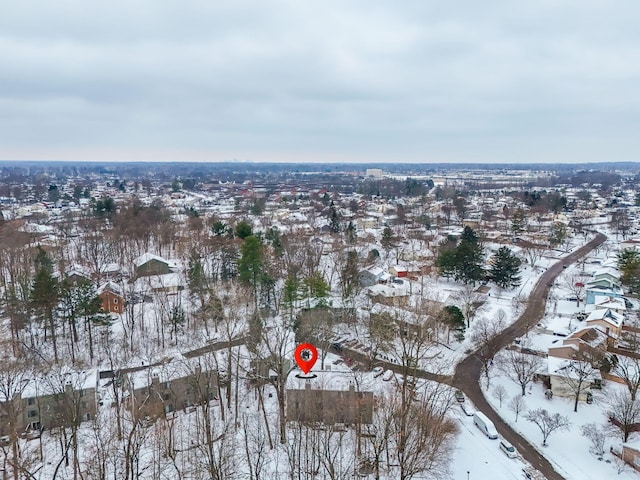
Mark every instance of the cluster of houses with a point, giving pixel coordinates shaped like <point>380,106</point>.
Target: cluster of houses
<point>68,399</point>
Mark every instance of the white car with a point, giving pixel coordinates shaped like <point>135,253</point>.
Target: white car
<point>377,371</point>
<point>467,409</point>
<point>388,375</point>
<point>508,449</point>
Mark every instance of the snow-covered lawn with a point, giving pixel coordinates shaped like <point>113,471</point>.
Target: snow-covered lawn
<point>568,450</point>
<point>480,456</point>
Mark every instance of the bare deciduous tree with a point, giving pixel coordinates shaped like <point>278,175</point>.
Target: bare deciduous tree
<point>485,338</point>
<point>547,423</point>
<point>520,367</point>
<point>470,302</point>
<point>623,412</point>
<point>500,393</point>
<point>596,436</point>
<point>578,374</point>
<point>517,405</point>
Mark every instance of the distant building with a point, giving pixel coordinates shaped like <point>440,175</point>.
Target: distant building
<point>374,172</point>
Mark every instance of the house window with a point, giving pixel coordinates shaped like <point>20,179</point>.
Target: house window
<point>83,393</point>
<point>32,413</point>
<point>31,401</point>
<point>166,385</point>
<point>115,309</point>
<point>86,417</point>
<point>83,405</point>
<point>115,301</point>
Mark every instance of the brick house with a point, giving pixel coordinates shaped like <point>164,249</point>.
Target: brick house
<point>112,298</point>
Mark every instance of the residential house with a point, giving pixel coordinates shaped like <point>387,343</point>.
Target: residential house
<point>373,275</point>
<point>175,385</point>
<point>406,321</point>
<point>593,292</point>
<point>608,321</point>
<point>607,302</point>
<point>58,400</point>
<point>112,298</point>
<point>77,275</point>
<point>606,278</point>
<point>330,398</point>
<point>171,283</point>
<point>149,264</point>
<point>588,340</point>
<point>562,372</point>
<point>398,271</point>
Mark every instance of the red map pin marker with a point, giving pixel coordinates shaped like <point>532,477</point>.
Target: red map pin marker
<point>306,356</point>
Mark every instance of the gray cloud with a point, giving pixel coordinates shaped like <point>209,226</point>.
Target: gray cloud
<point>364,80</point>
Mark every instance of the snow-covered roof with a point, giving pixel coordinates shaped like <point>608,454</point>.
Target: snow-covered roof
<point>606,301</point>
<point>607,315</point>
<point>159,282</point>
<point>568,368</point>
<point>112,287</point>
<point>55,382</point>
<point>145,257</point>
<point>607,271</point>
<point>166,372</point>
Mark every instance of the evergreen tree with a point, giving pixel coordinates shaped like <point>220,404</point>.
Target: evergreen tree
<point>469,257</point>
<point>45,294</point>
<point>388,239</point>
<point>351,233</point>
<point>453,318</point>
<point>334,224</point>
<point>518,221</point>
<point>243,229</point>
<point>196,277</point>
<point>629,265</point>
<point>505,268</point>
<point>558,234</point>
<point>219,228</point>
<point>316,287</point>
<point>250,263</point>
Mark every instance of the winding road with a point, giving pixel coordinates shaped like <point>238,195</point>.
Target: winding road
<point>468,371</point>
<point>467,374</point>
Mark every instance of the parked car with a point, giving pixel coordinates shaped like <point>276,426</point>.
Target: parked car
<point>508,449</point>
<point>459,396</point>
<point>467,409</point>
<point>388,375</point>
<point>377,371</point>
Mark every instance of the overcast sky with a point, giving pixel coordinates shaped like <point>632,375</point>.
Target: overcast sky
<point>421,81</point>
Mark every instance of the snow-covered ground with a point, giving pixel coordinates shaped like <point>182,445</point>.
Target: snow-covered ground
<point>567,450</point>
<point>480,456</point>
